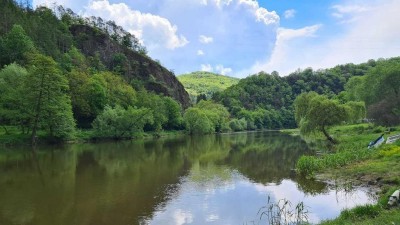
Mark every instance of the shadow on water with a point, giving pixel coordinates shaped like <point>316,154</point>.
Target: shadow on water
<point>135,182</point>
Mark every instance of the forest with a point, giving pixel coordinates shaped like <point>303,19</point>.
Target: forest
<point>57,80</point>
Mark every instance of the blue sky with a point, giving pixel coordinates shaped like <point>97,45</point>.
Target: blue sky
<point>243,37</point>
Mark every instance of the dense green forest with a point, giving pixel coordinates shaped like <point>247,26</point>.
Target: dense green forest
<point>205,84</point>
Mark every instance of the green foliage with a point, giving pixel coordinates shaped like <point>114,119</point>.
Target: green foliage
<point>356,111</point>
<point>156,104</point>
<point>302,104</point>
<point>197,122</point>
<point>206,117</point>
<point>14,45</point>
<point>120,123</point>
<point>238,125</point>
<point>261,91</point>
<point>308,165</point>
<point>46,97</point>
<point>12,78</point>
<point>173,113</point>
<point>315,113</point>
<point>361,211</point>
<point>217,113</point>
<point>205,83</point>
<point>62,77</point>
<point>380,90</point>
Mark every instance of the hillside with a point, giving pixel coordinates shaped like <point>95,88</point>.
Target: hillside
<point>205,83</point>
<point>104,44</point>
<point>60,71</point>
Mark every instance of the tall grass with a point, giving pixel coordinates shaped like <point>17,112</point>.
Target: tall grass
<point>282,213</point>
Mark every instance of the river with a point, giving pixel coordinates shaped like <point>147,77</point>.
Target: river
<point>214,179</point>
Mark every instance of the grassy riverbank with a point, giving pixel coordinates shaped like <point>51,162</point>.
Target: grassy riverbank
<point>350,161</point>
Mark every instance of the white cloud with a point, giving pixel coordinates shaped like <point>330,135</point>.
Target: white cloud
<point>200,52</point>
<point>181,217</point>
<point>285,34</point>
<point>206,67</point>
<point>344,9</point>
<point>205,40</point>
<point>289,13</point>
<point>222,70</point>
<point>154,31</point>
<point>373,35</point>
<point>283,50</point>
<point>347,13</point>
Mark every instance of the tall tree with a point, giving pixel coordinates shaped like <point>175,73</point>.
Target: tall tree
<point>46,95</point>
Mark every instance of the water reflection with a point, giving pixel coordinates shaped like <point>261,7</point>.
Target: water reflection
<point>216,179</point>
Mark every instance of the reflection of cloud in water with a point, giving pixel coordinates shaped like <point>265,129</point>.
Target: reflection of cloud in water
<point>181,217</point>
<point>321,206</point>
<point>237,200</point>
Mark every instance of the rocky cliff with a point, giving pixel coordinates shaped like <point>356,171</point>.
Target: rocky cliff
<point>136,68</point>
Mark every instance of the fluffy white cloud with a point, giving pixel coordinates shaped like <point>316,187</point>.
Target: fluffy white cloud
<point>289,13</point>
<point>372,35</point>
<point>154,31</point>
<point>200,52</point>
<point>220,69</point>
<point>206,67</point>
<point>285,44</point>
<point>205,40</point>
<point>223,70</point>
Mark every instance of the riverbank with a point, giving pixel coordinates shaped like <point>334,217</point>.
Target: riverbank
<point>15,138</point>
<point>353,163</point>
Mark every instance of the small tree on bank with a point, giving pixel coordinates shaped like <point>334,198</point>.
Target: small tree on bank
<point>316,113</point>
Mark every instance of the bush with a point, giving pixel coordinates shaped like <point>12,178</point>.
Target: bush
<point>197,122</point>
<point>121,123</point>
<point>238,125</point>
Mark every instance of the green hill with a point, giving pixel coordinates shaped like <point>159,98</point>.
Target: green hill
<point>205,83</point>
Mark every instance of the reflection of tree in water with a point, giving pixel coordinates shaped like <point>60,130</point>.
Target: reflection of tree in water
<point>311,186</point>
<point>107,183</point>
<point>266,158</point>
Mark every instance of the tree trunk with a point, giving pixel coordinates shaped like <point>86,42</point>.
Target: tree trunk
<point>37,115</point>
<point>328,137</point>
<point>5,129</point>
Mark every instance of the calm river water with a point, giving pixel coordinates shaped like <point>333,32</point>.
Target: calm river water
<point>216,179</point>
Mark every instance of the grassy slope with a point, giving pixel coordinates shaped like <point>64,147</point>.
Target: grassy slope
<point>351,161</point>
<point>205,83</point>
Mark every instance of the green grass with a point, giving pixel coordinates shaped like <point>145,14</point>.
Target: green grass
<point>205,83</point>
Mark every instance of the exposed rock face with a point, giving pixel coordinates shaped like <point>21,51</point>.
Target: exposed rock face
<point>136,68</point>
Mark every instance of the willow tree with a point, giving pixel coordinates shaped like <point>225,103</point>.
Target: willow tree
<point>47,98</point>
<point>316,113</point>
